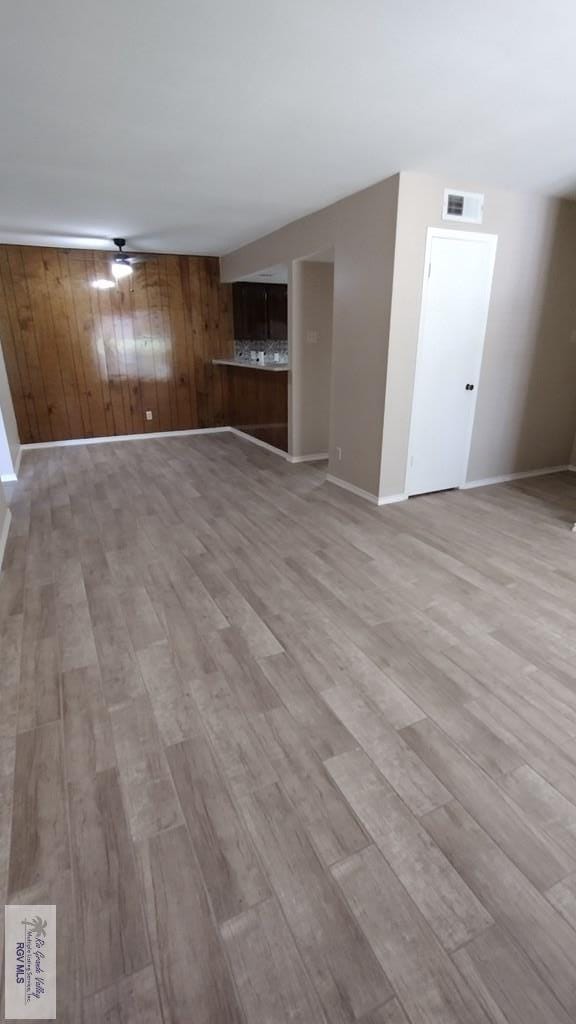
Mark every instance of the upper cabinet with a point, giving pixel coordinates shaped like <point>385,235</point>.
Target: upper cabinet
<point>260,312</point>
<point>277,302</point>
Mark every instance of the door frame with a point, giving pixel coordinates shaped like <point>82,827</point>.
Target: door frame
<point>491,241</point>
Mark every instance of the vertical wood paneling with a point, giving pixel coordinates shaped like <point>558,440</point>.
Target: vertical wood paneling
<point>112,356</point>
<point>115,302</point>
<point>160,349</point>
<point>83,362</point>
<point>200,301</point>
<point>143,354</point>
<point>167,329</point>
<point>52,337</point>
<point>93,343</point>
<point>48,348</point>
<point>133,383</point>
<point>81,326</point>
<point>218,378</point>
<point>185,407</point>
<point>258,403</point>
<point>63,320</point>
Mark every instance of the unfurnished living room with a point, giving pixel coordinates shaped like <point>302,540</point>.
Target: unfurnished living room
<point>288,568</point>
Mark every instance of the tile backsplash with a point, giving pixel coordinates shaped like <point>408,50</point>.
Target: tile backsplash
<point>274,351</point>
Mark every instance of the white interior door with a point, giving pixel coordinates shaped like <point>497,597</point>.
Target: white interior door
<point>456,295</point>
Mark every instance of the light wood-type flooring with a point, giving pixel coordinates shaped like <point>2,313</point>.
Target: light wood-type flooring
<point>280,756</point>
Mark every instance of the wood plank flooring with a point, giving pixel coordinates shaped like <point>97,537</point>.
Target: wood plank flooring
<point>281,757</point>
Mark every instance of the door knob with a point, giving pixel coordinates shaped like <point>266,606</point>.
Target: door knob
<point>469,387</point>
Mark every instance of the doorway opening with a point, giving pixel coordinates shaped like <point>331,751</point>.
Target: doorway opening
<point>258,370</point>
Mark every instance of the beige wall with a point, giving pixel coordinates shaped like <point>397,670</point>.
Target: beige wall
<point>361,229</point>
<point>526,408</point>
<point>311,356</point>
<point>9,439</point>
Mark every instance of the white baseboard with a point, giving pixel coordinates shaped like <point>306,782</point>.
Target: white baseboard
<point>123,437</point>
<point>506,477</point>
<point>392,499</point>
<point>4,534</point>
<point>152,434</point>
<point>318,457</point>
<point>259,443</point>
<point>313,458</point>
<point>329,479</point>
<point>373,498</point>
<point>388,499</point>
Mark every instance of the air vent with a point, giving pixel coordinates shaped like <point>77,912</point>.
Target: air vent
<point>455,205</point>
<point>464,206</point>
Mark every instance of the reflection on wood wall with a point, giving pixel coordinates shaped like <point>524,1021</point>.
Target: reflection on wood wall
<point>89,363</point>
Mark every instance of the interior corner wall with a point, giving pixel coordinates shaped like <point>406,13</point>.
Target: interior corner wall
<point>9,438</point>
<point>362,230</point>
<point>526,409</point>
<point>4,524</point>
<point>311,356</point>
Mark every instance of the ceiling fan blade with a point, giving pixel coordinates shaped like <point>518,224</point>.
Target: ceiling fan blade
<point>110,254</point>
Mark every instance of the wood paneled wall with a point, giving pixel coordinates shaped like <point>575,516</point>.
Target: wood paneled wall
<point>89,363</point>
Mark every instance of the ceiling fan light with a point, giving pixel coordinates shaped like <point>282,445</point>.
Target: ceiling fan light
<point>120,269</point>
<point>102,283</point>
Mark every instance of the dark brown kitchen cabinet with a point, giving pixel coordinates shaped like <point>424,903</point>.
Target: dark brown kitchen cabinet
<point>260,311</point>
<point>239,310</point>
<point>250,312</point>
<point>277,319</point>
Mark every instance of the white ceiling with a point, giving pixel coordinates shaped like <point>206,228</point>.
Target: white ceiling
<point>197,125</point>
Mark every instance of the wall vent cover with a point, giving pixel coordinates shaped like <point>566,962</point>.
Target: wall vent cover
<point>464,206</point>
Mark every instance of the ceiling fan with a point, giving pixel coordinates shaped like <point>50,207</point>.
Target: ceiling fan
<point>121,267</point>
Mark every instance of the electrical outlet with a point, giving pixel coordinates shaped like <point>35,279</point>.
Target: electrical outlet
<point>148,414</point>
<point>311,337</point>
<point>339,454</point>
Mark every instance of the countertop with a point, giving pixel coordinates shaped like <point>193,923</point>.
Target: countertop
<point>247,364</point>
